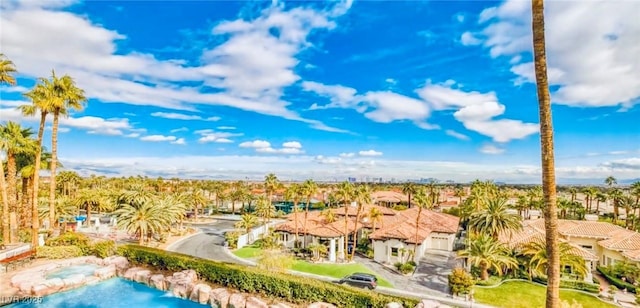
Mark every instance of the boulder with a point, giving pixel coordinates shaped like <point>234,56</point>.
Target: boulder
<point>219,298</point>
<point>121,263</point>
<point>237,300</point>
<point>427,303</point>
<point>393,305</point>
<point>142,276</point>
<point>321,305</point>
<point>279,305</point>
<point>180,287</point>
<point>255,302</point>
<point>91,280</point>
<point>131,273</point>
<point>73,281</point>
<point>105,272</point>
<point>94,260</point>
<point>25,287</point>
<point>157,281</point>
<point>200,293</point>
<point>189,275</point>
<point>48,287</point>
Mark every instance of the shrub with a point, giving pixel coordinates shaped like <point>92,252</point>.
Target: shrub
<point>232,238</point>
<point>103,249</point>
<point>59,252</point>
<point>616,281</point>
<point>460,281</point>
<point>71,239</point>
<point>254,280</point>
<point>573,284</point>
<point>492,281</point>
<point>404,268</point>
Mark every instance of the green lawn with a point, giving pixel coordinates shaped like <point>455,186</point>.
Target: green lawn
<point>520,294</point>
<point>322,269</point>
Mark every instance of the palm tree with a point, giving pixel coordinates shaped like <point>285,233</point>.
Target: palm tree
<point>345,195</point>
<point>423,200</point>
<point>14,140</point>
<point>616,195</point>
<point>195,200</point>
<point>145,217</point>
<point>26,169</point>
<point>7,69</point>
<point>271,184</point>
<point>69,97</point>
<point>65,208</point>
<point>409,189</point>
<point>265,210</point>
<point>328,215</point>
<point>318,250</point>
<point>486,253</point>
<point>362,195</point>
<point>218,189</point>
<point>89,199</point>
<point>589,193</point>
<point>547,154</point>
<point>309,188</point>
<point>610,181</point>
<point>600,197</point>
<point>246,222</point>
<point>495,219</point>
<point>538,262</point>
<point>293,193</point>
<point>375,215</point>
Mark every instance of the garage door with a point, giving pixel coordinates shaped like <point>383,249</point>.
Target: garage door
<point>440,243</point>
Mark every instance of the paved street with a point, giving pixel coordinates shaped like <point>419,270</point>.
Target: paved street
<point>209,243</point>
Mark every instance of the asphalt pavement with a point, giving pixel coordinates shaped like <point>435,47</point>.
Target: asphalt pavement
<point>209,244</point>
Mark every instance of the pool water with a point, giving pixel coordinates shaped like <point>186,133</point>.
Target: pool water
<point>84,269</point>
<point>115,292</point>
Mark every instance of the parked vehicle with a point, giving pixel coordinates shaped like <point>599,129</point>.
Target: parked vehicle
<point>361,280</point>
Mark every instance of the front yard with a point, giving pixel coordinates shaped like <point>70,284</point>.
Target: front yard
<point>520,294</point>
<point>322,269</point>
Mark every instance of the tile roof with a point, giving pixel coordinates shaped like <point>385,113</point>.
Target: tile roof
<point>403,226</point>
<point>389,196</point>
<point>532,233</point>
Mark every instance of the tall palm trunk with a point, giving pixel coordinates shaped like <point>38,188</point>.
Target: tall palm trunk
<point>24,202</point>
<point>11,190</point>
<point>5,206</point>
<point>295,218</point>
<point>35,221</point>
<point>547,153</point>
<point>54,165</point>
<point>346,231</point>
<point>304,223</point>
<point>415,245</point>
<point>355,231</point>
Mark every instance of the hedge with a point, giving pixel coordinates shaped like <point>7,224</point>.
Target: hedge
<point>573,284</point>
<point>288,287</point>
<point>59,252</point>
<point>616,281</point>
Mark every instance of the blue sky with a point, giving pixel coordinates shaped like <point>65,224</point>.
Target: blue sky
<point>329,90</point>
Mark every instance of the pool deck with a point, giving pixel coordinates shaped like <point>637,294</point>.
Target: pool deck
<point>6,290</point>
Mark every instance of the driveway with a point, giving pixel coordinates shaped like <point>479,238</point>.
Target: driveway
<point>434,268</point>
<point>209,243</point>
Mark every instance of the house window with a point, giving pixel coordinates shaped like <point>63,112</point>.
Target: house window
<point>394,252</point>
<point>284,237</point>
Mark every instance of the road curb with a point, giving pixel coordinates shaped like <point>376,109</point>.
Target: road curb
<point>172,246</point>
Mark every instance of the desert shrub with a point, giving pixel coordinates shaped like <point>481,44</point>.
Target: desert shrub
<point>287,287</point>
<point>103,249</point>
<point>59,252</point>
<point>71,239</point>
<point>460,281</point>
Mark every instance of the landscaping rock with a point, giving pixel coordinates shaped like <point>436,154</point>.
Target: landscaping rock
<point>48,287</point>
<point>321,305</point>
<point>142,276</point>
<point>131,273</point>
<point>121,263</point>
<point>157,281</point>
<point>279,305</point>
<point>26,287</point>
<point>254,302</point>
<point>105,272</point>
<point>73,281</point>
<point>200,293</point>
<point>91,280</point>
<point>219,298</point>
<point>94,260</point>
<point>189,275</point>
<point>180,287</point>
<point>237,300</point>
<point>393,305</point>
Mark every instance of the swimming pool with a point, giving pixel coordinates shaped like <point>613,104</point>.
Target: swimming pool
<point>115,292</point>
<point>84,269</point>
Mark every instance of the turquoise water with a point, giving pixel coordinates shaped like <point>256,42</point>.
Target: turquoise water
<point>112,293</point>
<point>84,269</point>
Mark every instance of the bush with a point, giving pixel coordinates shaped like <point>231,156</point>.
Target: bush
<point>253,280</point>
<point>71,239</point>
<point>460,281</point>
<point>59,252</point>
<point>232,238</point>
<point>103,249</point>
<point>616,281</point>
<point>404,268</point>
<point>492,281</point>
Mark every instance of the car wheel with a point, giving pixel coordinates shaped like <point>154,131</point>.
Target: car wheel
<point>370,287</point>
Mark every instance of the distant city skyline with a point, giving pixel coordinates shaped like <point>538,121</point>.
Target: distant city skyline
<point>332,90</point>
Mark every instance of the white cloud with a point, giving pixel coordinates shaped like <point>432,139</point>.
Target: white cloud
<point>179,141</point>
<point>592,48</point>
<point>491,149</point>
<point>181,116</point>
<point>292,144</point>
<point>468,39</point>
<point>476,111</point>
<point>209,135</point>
<point>262,146</point>
<point>456,135</point>
<point>158,138</point>
<point>346,155</point>
<point>370,153</point>
<point>132,135</point>
<point>177,130</point>
<point>256,144</point>
<point>226,127</point>
<point>245,77</point>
